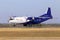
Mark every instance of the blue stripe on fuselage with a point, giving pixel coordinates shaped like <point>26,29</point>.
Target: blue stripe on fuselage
<point>36,20</point>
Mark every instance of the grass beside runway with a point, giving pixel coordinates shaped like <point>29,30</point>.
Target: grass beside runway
<point>29,38</point>
<point>29,32</point>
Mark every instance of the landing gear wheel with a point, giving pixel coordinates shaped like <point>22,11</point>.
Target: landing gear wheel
<point>14,25</point>
<point>25,24</point>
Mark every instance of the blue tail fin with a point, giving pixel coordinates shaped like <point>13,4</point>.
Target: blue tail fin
<point>48,13</point>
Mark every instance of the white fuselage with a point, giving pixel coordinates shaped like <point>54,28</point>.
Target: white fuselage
<point>19,20</point>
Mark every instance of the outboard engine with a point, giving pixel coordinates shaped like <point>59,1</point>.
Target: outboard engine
<point>30,18</point>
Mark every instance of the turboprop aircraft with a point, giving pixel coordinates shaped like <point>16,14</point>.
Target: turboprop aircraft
<point>31,20</point>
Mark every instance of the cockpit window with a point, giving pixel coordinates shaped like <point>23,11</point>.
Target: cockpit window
<point>11,18</point>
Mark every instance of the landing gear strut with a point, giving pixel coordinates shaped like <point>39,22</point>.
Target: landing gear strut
<point>14,25</point>
<point>29,25</point>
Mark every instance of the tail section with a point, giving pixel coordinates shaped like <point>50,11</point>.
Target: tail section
<point>48,14</point>
<point>49,11</point>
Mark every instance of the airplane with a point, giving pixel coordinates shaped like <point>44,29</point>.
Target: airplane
<point>31,20</point>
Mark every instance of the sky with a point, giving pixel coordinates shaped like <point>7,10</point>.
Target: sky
<point>33,8</point>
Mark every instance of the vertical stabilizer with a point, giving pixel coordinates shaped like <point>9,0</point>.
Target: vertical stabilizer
<point>49,12</point>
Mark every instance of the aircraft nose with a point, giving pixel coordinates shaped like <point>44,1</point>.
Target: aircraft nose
<point>10,21</point>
